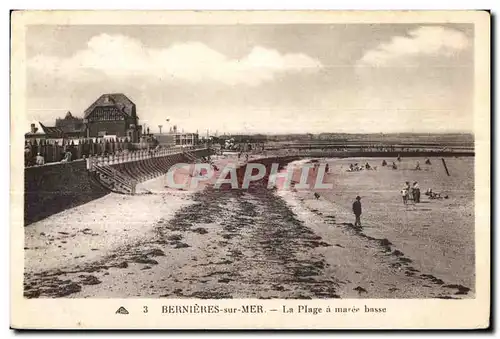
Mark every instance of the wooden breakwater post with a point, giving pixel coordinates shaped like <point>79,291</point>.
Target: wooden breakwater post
<point>445,167</point>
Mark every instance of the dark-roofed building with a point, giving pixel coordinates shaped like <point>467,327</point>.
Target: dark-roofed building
<point>112,114</point>
<point>72,127</point>
<point>52,132</point>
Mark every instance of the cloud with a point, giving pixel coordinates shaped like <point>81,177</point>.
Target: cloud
<point>119,56</point>
<point>428,41</point>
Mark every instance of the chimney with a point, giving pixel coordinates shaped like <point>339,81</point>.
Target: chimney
<point>33,128</point>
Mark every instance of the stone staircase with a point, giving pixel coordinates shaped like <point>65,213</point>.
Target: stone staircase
<point>191,157</point>
<point>114,180</point>
<point>122,174</point>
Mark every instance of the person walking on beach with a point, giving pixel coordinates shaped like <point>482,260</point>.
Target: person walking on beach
<point>416,192</point>
<point>356,208</point>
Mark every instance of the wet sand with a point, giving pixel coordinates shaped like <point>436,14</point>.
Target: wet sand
<point>211,243</point>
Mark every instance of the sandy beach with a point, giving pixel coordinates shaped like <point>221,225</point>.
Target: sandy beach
<point>263,243</point>
<point>420,247</point>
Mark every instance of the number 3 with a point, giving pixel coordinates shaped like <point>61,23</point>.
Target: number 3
<point>145,309</point>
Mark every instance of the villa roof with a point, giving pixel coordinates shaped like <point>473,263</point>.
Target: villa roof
<point>119,100</point>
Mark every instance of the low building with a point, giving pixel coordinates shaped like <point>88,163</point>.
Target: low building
<point>176,139</point>
<point>35,135</point>
<point>49,134</point>
<point>165,140</point>
<point>113,114</point>
<point>185,139</point>
<point>69,127</point>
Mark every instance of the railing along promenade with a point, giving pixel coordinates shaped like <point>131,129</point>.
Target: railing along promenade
<point>131,156</point>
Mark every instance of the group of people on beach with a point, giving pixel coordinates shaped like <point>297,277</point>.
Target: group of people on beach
<point>357,168</point>
<point>410,193</point>
<point>413,193</point>
<point>394,166</point>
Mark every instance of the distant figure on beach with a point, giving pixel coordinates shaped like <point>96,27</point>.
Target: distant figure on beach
<point>327,168</point>
<point>405,192</point>
<point>39,160</point>
<point>399,157</point>
<point>416,192</point>
<point>417,168</point>
<point>246,157</point>
<point>384,163</point>
<point>433,195</point>
<point>367,166</point>
<point>427,161</point>
<point>356,208</point>
<point>404,195</point>
<point>394,165</point>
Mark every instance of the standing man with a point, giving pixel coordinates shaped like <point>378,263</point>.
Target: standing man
<point>27,156</point>
<point>404,195</point>
<point>356,208</point>
<point>416,192</point>
<point>405,192</point>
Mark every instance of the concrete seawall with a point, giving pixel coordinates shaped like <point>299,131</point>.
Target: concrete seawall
<point>55,187</point>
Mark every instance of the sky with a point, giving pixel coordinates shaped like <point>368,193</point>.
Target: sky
<point>307,78</point>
